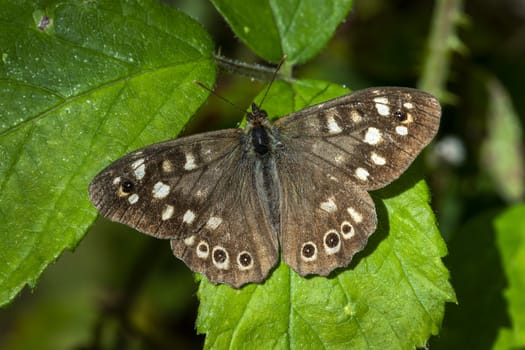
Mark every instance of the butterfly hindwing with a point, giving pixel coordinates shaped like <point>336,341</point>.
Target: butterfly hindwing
<point>325,219</point>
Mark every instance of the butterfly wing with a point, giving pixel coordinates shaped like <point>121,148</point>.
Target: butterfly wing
<point>358,142</point>
<point>196,192</point>
<point>373,134</point>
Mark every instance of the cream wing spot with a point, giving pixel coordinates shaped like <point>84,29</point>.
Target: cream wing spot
<point>402,130</point>
<point>408,105</point>
<point>381,100</point>
<point>189,241</point>
<point>329,206</point>
<point>117,180</point>
<point>355,116</point>
<point>355,215</point>
<point>190,162</point>
<point>213,222</point>
<point>377,159</point>
<point>189,217</point>
<point>362,174</point>
<point>134,198</point>
<point>333,127</point>
<point>167,212</point>
<point>382,106</point>
<point>160,190</point>
<point>167,167</point>
<point>383,110</point>
<point>373,136</point>
<point>139,168</point>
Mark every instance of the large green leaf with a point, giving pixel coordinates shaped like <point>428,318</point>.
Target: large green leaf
<point>80,84</point>
<point>510,229</point>
<point>273,28</point>
<point>391,297</point>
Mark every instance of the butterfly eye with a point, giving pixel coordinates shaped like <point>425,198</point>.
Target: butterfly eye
<point>400,115</point>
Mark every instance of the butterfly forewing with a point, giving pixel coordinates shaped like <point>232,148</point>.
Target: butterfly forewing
<point>150,187</point>
<point>373,135</point>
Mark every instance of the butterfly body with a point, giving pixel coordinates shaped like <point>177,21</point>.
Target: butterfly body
<point>230,200</point>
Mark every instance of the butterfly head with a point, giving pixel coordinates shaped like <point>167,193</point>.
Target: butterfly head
<point>257,117</point>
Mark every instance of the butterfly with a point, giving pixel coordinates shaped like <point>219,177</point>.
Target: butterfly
<point>231,200</point>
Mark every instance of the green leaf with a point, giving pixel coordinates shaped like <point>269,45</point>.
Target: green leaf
<point>392,295</point>
<point>274,28</point>
<point>510,230</point>
<point>81,83</point>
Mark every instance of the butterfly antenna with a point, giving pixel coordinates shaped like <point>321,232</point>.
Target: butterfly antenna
<point>219,96</point>
<point>273,78</point>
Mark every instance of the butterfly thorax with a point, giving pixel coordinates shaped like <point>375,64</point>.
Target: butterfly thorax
<point>262,134</point>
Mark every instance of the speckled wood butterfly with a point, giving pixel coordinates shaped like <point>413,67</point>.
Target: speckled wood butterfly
<point>229,200</point>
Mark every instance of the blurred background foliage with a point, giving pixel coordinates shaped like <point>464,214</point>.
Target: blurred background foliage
<point>125,290</point>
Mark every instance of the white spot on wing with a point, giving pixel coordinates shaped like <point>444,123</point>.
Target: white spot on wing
<point>408,105</point>
<point>189,241</point>
<point>188,217</point>
<point>373,136</point>
<point>381,100</point>
<point>377,159</point>
<point>333,127</point>
<point>329,206</point>
<point>133,198</point>
<point>356,216</point>
<point>139,168</point>
<point>167,212</point>
<point>401,130</point>
<point>190,162</point>
<point>116,180</point>
<point>355,116</point>
<point>361,174</point>
<point>166,166</point>
<point>160,190</point>
<point>213,222</point>
<point>383,110</point>
<point>382,106</point>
